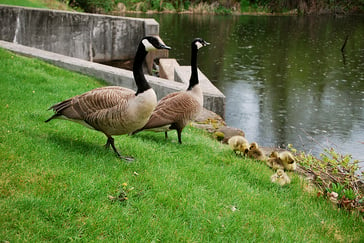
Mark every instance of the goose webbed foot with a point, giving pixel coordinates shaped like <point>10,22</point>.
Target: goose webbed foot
<point>110,141</point>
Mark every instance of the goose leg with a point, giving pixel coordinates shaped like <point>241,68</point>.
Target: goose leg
<point>179,133</point>
<point>166,135</point>
<point>110,141</point>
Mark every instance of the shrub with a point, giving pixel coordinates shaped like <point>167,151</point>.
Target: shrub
<point>93,6</point>
<point>334,172</point>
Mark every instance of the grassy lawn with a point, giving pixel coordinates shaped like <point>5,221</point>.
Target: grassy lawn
<point>52,4</point>
<point>56,178</point>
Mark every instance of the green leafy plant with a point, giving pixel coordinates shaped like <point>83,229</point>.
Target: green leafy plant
<point>338,188</point>
<point>349,194</point>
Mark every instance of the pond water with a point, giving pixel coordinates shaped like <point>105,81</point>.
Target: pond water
<point>285,78</point>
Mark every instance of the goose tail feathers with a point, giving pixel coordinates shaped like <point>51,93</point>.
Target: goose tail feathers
<point>58,108</point>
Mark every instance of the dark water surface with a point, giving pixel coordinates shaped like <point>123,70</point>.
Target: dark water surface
<point>285,78</point>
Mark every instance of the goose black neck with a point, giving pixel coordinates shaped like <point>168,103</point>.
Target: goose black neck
<point>194,73</point>
<point>139,77</point>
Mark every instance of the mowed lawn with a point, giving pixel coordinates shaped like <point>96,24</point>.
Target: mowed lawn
<point>56,179</point>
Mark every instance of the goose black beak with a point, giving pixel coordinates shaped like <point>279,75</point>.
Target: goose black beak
<point>165,47</point>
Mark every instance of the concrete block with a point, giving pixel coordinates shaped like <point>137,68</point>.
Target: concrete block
<point>153,55</point>
<point>151,27</point>
<point>166,68</point>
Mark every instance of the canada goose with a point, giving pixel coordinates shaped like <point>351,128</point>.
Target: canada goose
<point>239,144</point>
<point>287,160</point>
<point>115,110</point>
<point>280,177</point>
<point>255,152</point>
<point>274,162</point>
<point>175,110</point>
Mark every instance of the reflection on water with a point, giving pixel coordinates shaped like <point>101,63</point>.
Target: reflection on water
<point>285,78</point>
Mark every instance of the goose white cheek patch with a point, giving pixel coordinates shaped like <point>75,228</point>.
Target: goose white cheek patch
<point>148,45</point>
<point>199,45</point>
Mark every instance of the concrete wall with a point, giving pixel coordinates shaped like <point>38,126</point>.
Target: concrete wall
<point>92,37</point>
<point>71,40</point>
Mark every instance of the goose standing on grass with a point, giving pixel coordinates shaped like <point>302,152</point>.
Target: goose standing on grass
<point>174,111</point>
<point>115,110</point>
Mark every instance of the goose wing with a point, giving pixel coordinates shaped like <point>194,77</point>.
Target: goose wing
<point>85,105</point>
<point>178,107</point>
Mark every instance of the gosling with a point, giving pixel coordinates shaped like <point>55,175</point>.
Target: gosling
<point>255,152</point>
<point>280,177</point>
<point>274,162</point>
<point>287,160</point>
<point>239,144</point>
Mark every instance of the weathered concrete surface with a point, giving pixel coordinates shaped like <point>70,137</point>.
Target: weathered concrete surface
<point>95,38</point>
<point>166,68</point>
<point>92,37</point>
<point>112,75</point>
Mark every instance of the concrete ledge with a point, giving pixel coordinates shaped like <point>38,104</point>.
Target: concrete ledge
<point>93,37</point>
<point>116,76</point>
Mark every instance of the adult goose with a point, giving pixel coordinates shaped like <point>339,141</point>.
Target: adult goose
<point>114,110</point>
<point>174,111</point>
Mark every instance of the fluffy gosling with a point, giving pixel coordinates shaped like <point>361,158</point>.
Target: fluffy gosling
<point>287,160</point>
<point>283,160</point>
<point>255,152</point>
<point>280,177</point>
<point>274,162</point>
<point>239,144</point>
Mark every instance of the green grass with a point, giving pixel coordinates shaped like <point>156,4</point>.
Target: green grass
<point>56,178</point>
<point>24,3</point>
<point>51,4</point>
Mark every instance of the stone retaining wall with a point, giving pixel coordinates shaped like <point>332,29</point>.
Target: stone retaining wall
<point>92,37</point>
<point>75,41</point>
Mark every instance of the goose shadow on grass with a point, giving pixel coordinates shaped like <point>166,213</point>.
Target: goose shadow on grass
<point>96,147</point>
<point>80,146</point>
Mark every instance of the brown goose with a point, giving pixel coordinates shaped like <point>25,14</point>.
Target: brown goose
<point>114,110</point>
<point>174,111</point>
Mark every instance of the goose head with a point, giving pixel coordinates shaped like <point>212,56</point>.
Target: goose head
<point>280,172</point>
<point>253,146</point>
<point>151,43</point>
<point>198,43</point>
<point>274,155</point>
<point>147,43</point>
